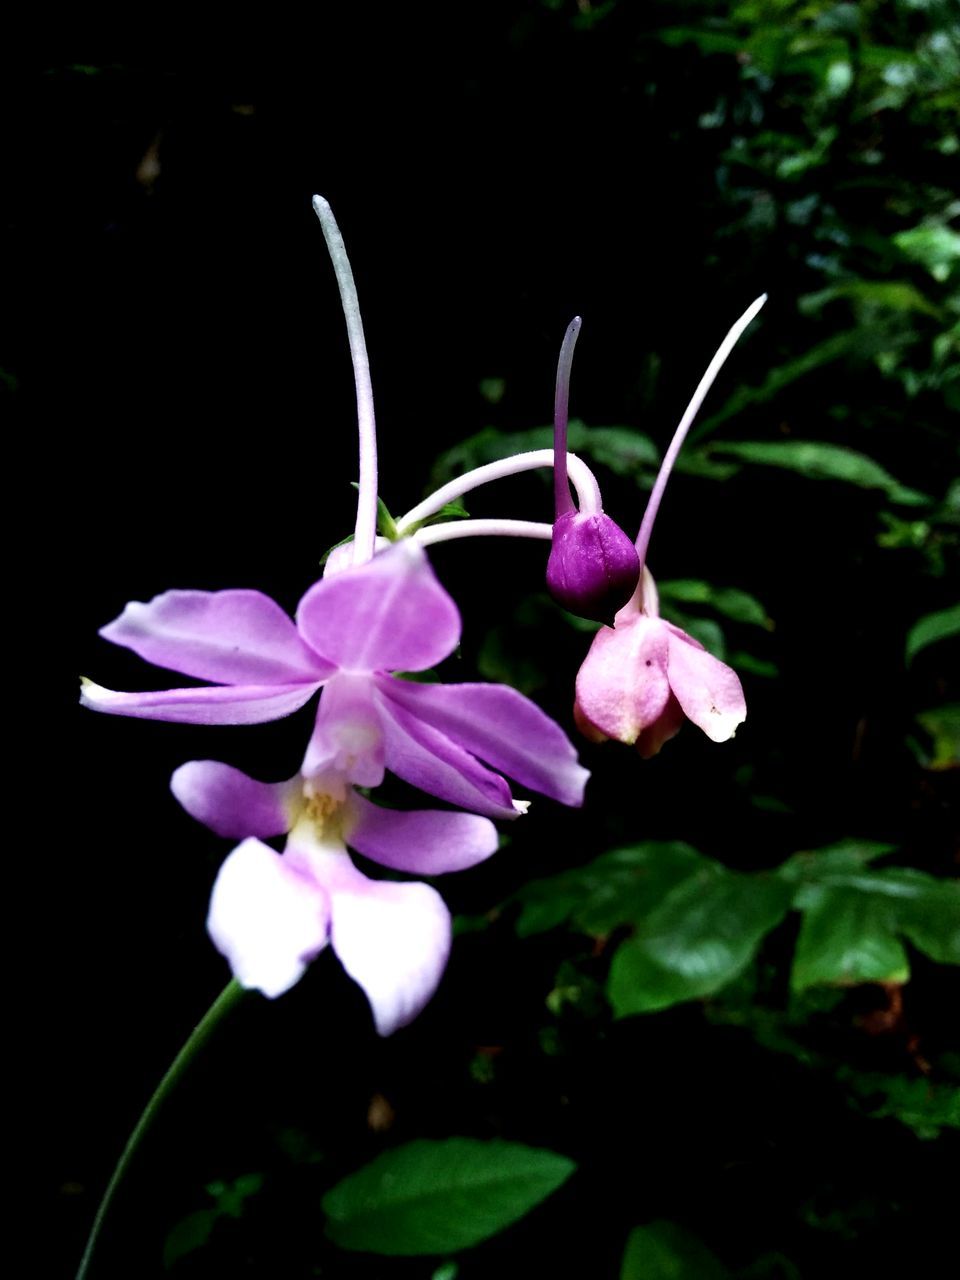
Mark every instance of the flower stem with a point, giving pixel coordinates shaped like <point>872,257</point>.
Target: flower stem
<point>448,530</point>
<point>366,528</point>
<point>670,457</point>
<point>562,501</point>
<point>582,478</point>
<point>196,1040</point>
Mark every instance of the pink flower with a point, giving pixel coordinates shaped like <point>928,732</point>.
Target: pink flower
<point>271,914</point>
<point>352,630</point>
<point>642,677</point>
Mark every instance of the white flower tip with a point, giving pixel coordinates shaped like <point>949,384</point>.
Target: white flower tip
<point>94,696</point>
<point>320,206</point>
<point>521,806</point>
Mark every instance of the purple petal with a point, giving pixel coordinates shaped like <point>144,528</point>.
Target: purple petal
<point>593,569</point>
<point>228,637</point>
<point>216,704</point>
<point>390,614</point>
<point>432,762</point>
<point>347,735</point>
<point>232,804</point>
<point>502,727</point>
<point>392,939</point>
<point>267,918</point>
<point>622,687</point>
<point>706,688</point>
<point>426,842</point>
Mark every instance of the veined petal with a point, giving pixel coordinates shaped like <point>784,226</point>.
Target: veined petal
<point>390,614</point>
<point>426,842</point>
<point>232,804</point>
<point>429,760</point>
<point>707,689</point>
<point>228,637</point>
<point>622,687</point>
<point>347,735</point>
<point>392,939</point>
<point>502,727</point>
<point>214,704</point>
<point>267,918</point>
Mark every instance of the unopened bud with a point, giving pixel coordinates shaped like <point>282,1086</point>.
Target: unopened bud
<point>593,568</point>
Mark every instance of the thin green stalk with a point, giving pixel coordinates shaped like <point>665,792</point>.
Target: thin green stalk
<point>196,1040</point>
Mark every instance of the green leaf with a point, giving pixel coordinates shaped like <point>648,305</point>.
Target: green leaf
<point>664,1251</point>
<point>704,933</point>
<point>728,601</point>
<point>847,937</point>
<point>439,1196</point>
<point>931,628</point>
<point>935,247</point>
<point>895,295</point>
<point>821,461</point>
<point>943,726</point>
<point>815,865</point>
<point>188,1235</point>
<point>620,887</point>
<point>924,1106</point>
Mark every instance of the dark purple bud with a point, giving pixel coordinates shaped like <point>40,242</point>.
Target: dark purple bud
<point>593,568</point>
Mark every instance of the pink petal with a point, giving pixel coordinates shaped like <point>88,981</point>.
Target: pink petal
<point>502,727</point>
<point>215,704</point>
<point>227,637</point>
<point>390,614</point>
<point>426,842</point>
<point>434,763</point>
<point>347,736</point>
<point>232,804</point>
<point>267,918</point>
<point>666,726</point>
<point>708,691</point>
<point>622,687</point>
<point>392,939</point>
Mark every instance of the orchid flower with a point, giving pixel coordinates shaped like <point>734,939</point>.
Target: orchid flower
<point>353,629</point>
<point>271,914</point>
<point>643,676</point>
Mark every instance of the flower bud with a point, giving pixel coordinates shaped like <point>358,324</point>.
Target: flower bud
<point>593,568</point>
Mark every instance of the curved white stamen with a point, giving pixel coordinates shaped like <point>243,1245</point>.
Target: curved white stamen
<point>670,457</point>
<point>448,530</point>
<point>366,528</point>
<point>582,478</point>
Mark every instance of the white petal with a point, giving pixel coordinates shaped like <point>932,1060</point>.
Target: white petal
<point>268,919</point>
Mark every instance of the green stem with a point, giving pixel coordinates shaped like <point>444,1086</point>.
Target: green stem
<point>196,1040</point>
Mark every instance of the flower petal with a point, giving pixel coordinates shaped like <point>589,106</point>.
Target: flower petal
<point>432,762</point>
<point>347,736</point>
<point>267,918</point>
<point>622,687</point>
<point>502,727</point>
<point>390,614</point>
<point>392,939</point>
<point>228,637</point>
<point>666,726</point>
<point>215,704</point>
<point>426,842</point>
<point>707,689</point>
<point>232,804</point>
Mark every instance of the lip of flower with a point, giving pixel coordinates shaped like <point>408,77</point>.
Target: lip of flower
<point>352,630</point>
<point>271,914</point>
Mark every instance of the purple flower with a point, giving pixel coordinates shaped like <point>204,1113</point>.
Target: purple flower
<point>352,629</point>
<point>271,914</point>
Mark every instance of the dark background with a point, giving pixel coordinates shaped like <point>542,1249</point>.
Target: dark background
<point>184,407</point>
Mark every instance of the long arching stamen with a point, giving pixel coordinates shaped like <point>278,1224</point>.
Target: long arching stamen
<point>366,527</point>
<point>582,478</point>
<point>706,382</point>
<point>561,489</point>
<point>448,530</point>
